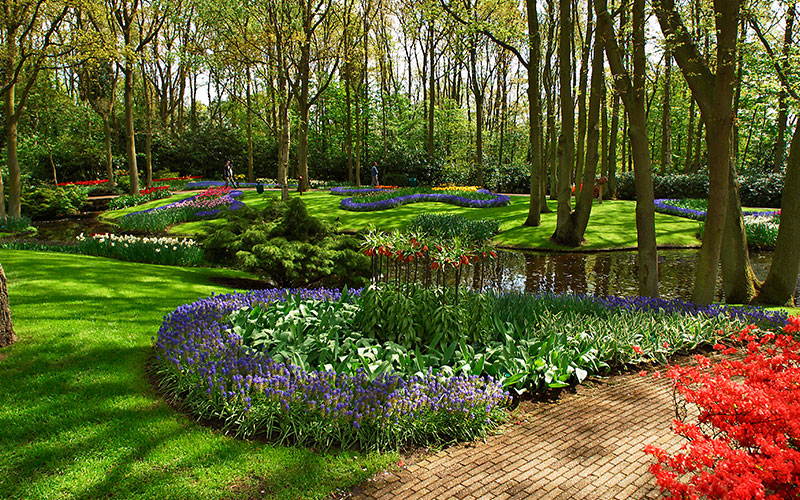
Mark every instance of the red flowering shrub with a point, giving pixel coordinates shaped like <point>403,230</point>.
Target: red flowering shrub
<point>745,442</point>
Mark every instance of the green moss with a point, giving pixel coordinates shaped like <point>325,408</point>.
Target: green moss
<point>79,417</point>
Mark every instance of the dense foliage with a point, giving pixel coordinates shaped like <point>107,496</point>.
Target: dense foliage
<point>285,244</point>
<point>755,190</point>
<point>743,434</point>
<point>48,202</point>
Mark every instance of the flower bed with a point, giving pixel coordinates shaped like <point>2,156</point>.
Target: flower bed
<point>761,226</point>
<point>383,200</point>
<point>207,204</point>
<point>347,190</point>
<point>201,359</point>
<point>166,251</point>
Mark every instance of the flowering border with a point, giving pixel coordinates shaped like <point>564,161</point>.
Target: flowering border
<point>201,359</point>
<point>666,206</point>
<point>205,184</point>
<point>344,191</point>
<point>499,200</point>
<point>234,205</point>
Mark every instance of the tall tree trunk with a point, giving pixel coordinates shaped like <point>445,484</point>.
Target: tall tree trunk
<point>739,282</point>
<point>779,287</point>
<point>714,95</point>
<point>249,118</point>
<point>7,335</point>
<point>109,158</point>
<point>431,90</point>
<point>12,160</point>
<point>633,95</point>
<point>303,110</point>
<point>613,147</point>
<point>666,117</point>
<point>580,143</point>
<point>687,166</point>
<point>783,107</point>
<point>534,118</point>
<point>564,233</point>
<point>148,138</point>
<point>130,139</point>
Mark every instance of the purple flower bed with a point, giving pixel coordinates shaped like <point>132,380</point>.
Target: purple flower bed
<point>229,201</point>
<point>202,360</point>
<point>747,314</point>
<point>498,200</point>
<point>668,206</point>
<point>344,191</point>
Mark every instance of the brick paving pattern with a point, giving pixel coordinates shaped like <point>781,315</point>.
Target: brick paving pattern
<point>588,445</point>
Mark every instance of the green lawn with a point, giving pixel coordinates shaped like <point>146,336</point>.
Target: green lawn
<point>78,418</point>
<point>612,224</point>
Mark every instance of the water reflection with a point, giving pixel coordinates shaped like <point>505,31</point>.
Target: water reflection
<point>600,273</point>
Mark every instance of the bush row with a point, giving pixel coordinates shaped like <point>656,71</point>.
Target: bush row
<point>762,190</point>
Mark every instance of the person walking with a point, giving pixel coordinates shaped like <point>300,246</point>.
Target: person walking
<point>228,174</point>
<point>374,174</point>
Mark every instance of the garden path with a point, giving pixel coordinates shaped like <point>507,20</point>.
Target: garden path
<point>587,445</point>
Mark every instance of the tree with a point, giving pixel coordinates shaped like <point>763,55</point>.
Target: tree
<point>632,93</point>
<point>7,335</point>
<point>28,40</point>
<point>713,92</point>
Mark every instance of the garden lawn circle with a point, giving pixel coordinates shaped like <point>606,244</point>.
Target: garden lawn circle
<point>497,200</point>
<point>199,358</point>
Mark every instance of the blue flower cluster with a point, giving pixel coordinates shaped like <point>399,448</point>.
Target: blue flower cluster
<point>668,206</point>
<point>203,360</point>
<point>497,200</point>
<point>344,191</point>
<point>746,314</point>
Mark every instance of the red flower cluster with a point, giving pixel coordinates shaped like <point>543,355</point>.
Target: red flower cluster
<point>185,178</point>
<point>153,189</point>
<point>83,183</point>
<point>746,442</point>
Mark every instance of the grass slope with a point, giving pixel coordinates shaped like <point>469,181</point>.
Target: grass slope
<point>78,418</point>
<point>612,224</point>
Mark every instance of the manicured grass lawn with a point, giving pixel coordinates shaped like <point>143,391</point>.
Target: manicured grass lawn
<point>78,418</point>
<point>612,224</point>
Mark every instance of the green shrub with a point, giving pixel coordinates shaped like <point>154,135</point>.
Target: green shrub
<point>762,190</point>
<point>48,202</point>
<point>16,224</point>
<point>283,243</point>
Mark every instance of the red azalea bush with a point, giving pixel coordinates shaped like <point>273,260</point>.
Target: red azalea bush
<point>746,439</point>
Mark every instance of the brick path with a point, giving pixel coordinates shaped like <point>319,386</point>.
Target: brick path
<point>588,445</point>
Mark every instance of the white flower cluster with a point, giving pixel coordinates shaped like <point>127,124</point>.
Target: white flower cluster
<point>126,239</point>
<point>760,220</point>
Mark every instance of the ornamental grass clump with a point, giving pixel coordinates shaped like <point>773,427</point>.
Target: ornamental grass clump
<point>744,433</point>
<point>202,359</point>
<point>166,251</point>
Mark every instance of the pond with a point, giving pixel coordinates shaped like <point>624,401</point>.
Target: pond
<point>594,273</point>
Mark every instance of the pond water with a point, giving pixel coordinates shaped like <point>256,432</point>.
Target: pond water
<point>595,273</point>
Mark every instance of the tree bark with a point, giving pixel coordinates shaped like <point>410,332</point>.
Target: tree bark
<point>249,118</point>
<point>666,117</point>
<point>580,143</point>
<point>130,139</point>
<point>109,157</point>
<point>714,95</point>
<point>564,233</point>
<point>7,335</point>
<point>12,160</point>
<point>633,96</point>
<point>783,106</point>
<point>534,118</point>
<point>779,287</point>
